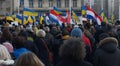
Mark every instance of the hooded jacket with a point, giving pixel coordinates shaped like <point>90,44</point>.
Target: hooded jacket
<point>107,53</point>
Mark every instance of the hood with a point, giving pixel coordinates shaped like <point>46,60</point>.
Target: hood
<point>109,44</point>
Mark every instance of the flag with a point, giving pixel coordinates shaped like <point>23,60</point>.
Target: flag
<point>8,17</point>
<point>105,19</point>
<point>68,17</point>
<point>56,17</point>
<point>41,19</point>
<point>102,13</point>
<point>48,20</point>
<point>74,16</point>
<point>83,9</point>
<point>112,18</point>
<point>58,11</point>
<point>30,20</point>
<point>33,18</point>
<point>25,20</point>
<point>91,14</point>
<point>18,19</point>
<point>29,12</point>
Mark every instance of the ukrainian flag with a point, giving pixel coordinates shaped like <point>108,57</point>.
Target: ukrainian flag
<point>112,18</point>
<point>83,10</point>
<point>29,12</point>
<point>74,16</point>
<point>105,19</point>
<point>8,17</point>
<point>33,18</point>
<point>30,20</point>
<point>25,20</point>
<point>41,19</point>
<point>58,11</point>
<point>18,19</point>
<point>102,13</point>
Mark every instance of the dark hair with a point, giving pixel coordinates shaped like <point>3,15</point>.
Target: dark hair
<point>6,35</point>
<point>19,42</point>
<point>73,48</point>
<point>65,32</point>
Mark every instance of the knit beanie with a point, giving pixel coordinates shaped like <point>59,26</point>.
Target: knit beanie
<point>76,32</point>
<point>8,46</point>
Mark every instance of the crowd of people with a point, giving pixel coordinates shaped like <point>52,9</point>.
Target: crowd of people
<point>65,45</point>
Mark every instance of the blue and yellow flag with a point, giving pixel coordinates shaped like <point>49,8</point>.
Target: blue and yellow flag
<point>29,12</point>
<point>104,17</point>
<point>74,16</point>
<point>33,18</point>
<point>30,20</point>
<point>18,19</point>
<point>41,19</point>
<point>58,11</point>
<point>8,17</point>
<point>25,20</point>
<point>112,18</point>
<point>102,13</point>
<point>83,10</point>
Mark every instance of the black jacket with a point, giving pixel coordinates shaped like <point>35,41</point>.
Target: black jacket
<point>107,54</point>
<point>73,63</point>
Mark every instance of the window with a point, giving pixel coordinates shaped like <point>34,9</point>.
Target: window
<point>40,3</point>
<point>31,3</point>
<point>66,3</point>
<point>50,3</point>
<point>74,3</point>
<point>58,3</point>
<point>21,3</point>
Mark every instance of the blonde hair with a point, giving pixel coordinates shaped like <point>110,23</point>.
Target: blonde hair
<point>4,54</point>
<point>29,59</point>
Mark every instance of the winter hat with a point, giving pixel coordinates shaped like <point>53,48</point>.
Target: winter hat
<point>76,32</point>
<point>41,33</point>
<point>8,46</point>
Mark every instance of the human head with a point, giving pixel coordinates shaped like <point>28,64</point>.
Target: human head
<point>73,48</point>
<point>4,54</point>
<point>8,46</point>
<point>28,59</point>
<point>76,32</point>
<point>41,33</point>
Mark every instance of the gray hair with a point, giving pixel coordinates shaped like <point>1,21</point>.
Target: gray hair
<point>41,33</point>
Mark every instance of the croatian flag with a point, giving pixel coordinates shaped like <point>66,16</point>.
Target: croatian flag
<point>56,17</point>
<point>91,14</point>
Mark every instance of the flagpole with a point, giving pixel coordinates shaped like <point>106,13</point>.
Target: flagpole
<point>119,9</point>
<point>70,8</point>
<point>18,6</point>
<point>102,6</point>
<point>90,3</point>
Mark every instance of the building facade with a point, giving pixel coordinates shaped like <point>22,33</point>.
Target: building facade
<point>5,6</point>
<point>44,6</point>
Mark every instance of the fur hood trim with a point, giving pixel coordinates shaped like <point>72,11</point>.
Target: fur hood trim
<point>108,40</point>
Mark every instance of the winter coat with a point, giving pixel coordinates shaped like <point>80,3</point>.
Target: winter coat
<point>107,53</point>
<point>69,62</point>
<point>43,52</point>
<point>31,46</point>
<point>18,52</point>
